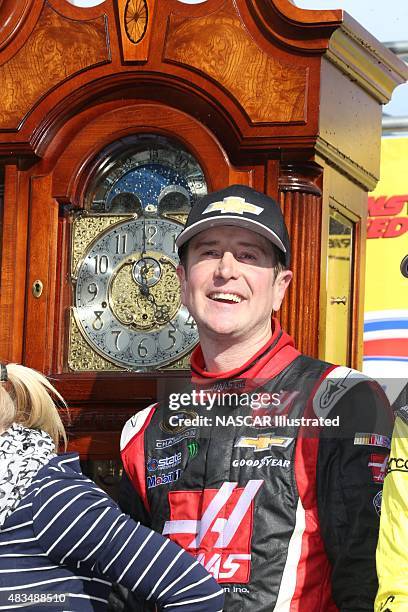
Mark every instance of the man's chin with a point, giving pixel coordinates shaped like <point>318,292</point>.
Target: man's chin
<point>223,330</point>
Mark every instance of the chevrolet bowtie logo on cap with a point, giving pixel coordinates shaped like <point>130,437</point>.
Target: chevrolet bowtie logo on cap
<point>242,207</point>
<point>263,442</point>
<point>233,204</point>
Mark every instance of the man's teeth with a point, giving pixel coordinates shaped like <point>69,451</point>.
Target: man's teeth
<point>230,297</point>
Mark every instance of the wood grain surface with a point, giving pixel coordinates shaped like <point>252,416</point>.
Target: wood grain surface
<point>301,202</point>
<point>268,89</point>
<point>57,49</point>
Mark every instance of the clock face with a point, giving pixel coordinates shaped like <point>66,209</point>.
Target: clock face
<point>127,307</point>
<point>127,299</point>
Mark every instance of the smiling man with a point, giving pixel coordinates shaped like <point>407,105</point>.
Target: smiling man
<point>285,516</point>
<point>233,281</point>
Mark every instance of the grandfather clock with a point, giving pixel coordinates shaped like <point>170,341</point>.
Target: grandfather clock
<point>114,120</point>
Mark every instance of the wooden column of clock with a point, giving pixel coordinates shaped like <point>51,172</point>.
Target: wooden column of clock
<point>113,122</point>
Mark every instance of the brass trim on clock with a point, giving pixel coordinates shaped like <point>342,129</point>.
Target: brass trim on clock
<point>81,357</point>
<point>85,229</point>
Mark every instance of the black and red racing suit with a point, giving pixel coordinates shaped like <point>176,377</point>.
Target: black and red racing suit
<point>283,511</point>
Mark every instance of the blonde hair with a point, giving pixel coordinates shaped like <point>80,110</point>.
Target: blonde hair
<point>25,398</point>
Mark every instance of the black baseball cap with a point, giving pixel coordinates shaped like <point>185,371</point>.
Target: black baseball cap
<point>240,206</point>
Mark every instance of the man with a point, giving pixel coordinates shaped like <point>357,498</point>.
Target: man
<point>392,551</point>
<point>277,490</point>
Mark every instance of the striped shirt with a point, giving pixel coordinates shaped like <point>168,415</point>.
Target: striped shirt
<point>67,541</point>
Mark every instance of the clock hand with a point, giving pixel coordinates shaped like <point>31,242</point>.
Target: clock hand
<point>144,289</point>
<point>143,271</point>
<point>161,313</point>
<point>143,253</point>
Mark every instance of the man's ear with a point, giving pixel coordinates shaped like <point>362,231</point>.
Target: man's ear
<point>181,273</point>
<point>280,285</point>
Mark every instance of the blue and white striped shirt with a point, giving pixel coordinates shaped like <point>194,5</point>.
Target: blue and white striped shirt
<point>67,541</point>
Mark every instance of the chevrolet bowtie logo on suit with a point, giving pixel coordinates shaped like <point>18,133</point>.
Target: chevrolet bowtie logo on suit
<point>261,443</point>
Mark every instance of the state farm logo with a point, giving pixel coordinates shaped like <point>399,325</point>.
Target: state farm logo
<point>154,464</point>
<point>215,525</point>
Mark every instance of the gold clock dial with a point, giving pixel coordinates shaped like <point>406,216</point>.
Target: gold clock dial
<point>145,292</point>
<point>127,300</point>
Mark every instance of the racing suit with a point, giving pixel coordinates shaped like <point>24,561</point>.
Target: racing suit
<point>392,551</point>
<point>279,498</point>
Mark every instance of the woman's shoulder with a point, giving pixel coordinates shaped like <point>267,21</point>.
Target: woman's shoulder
<point>60,483</point>
<point>62,476</point>
<point>62,471</point>
<point>66,462</point>
<point>66,465</point>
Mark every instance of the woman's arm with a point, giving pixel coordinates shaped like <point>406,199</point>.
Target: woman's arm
<point>75,522</point>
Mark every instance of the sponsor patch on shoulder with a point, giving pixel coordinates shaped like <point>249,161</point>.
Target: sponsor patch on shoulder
<point>372,439</point>
<point>378,465</point>
<point>377,502</point>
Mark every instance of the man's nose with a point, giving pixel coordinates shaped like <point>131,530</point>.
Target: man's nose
<point>227,266</point>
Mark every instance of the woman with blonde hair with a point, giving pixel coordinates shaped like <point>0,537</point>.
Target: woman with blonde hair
<point>63,541</point>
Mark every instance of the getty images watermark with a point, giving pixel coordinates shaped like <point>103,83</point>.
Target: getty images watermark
<point>207,399</point>
<point>267,410</point>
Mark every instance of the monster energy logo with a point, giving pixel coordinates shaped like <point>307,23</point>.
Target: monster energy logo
<point>192,448</point>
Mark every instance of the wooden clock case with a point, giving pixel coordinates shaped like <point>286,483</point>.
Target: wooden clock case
<point>259,91</point>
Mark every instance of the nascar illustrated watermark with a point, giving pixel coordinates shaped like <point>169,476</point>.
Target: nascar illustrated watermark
<point>180,420</point>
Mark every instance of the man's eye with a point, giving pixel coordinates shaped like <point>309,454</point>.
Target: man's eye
<point>247,256</point>
<point>209,253</point>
